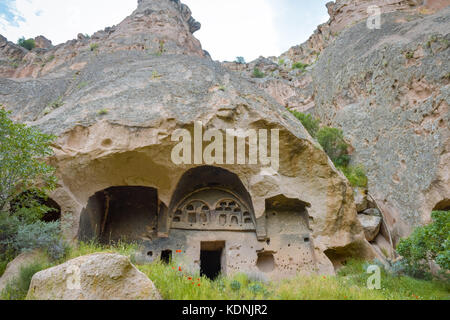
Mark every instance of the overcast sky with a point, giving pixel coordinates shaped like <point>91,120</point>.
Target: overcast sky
<point>230,28</point>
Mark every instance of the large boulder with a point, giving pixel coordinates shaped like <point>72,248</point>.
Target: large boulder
<point>99,276</point>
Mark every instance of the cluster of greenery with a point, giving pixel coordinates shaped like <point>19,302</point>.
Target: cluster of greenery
<point>94,47</point>
<point>258,73</point>
<point>28,44</point>
<point>300,65</point>
<point>333,143</point>
<point>21,207</point>
<point>428,243</point>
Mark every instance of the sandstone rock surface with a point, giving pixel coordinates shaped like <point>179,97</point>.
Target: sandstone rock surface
<point>388,89</point>
<point>115,101</point>
<point>371,225</point>
<point>94,277</point>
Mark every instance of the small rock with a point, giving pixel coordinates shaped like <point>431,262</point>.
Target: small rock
<point>360,196</point>
<point>371,225</point>
<point>372,212</point>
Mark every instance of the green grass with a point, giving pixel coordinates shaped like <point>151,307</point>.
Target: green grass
<point>17,289</point>
<point>349,284</point>
<point>175,283</point>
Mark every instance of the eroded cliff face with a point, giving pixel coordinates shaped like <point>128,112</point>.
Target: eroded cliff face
<point>115,100</point>
<point>388,89</point>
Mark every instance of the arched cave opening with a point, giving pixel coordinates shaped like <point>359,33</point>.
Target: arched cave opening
<point>28,197</point>
<point>211,198</point>
<point>443,205</point>
<point>120,214</point>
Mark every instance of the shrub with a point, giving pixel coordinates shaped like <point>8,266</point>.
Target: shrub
<point>281,62</point>
<point>311,125</point>
<point>333,143</point>
<point>17,289</point>
<point>103,112</point>
<point>28,44</point>
<point>41,235</point>
<point>300,65</point>
<point>235,285</point>
<point>93,47</point>
<point>355,175</point>
<point>431,242</point>
<point>258,73</point>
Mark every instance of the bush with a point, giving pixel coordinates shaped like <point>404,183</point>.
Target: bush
<point>431,242</point>
<point>41,235</point>
<point>311,125</point>
<point>355,175</point>
<point>258,73</point>
<point>300,65</point>
<point>28,44</point>
<point>333,143</point>
<point>17,289</point>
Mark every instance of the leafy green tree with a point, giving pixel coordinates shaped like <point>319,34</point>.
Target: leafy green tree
<point>431,242</point>
<point>311,124</point>
<point>240,60</point>
<point>28,44</point>
<point>22,150</point>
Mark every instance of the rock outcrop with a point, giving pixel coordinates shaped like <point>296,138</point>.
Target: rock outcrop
<point>94,277</point>
<point>116,100</point>
<point>388,89</point>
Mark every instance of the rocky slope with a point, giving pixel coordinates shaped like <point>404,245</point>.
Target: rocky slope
<point>388,89</point>
<point>115,99</point>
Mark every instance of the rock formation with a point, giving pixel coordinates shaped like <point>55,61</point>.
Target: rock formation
<point>94,277</point>
<point>116,101</point>
<point>388,89</point>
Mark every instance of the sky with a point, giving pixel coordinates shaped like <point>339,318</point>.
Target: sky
<point>231,28</point>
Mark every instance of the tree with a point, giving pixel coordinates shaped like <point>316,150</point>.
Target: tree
<point>22,168</point>
<point>28,44</point>
<point>240,60</point>
<point>431,242</point>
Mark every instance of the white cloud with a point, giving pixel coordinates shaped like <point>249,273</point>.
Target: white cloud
<point>236,28</point>
<point>230,28</point>
<point>60,21</point>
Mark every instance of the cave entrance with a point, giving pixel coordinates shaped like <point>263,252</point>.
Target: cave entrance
<point>166,256</point>
<point>211,258</point>
<point>120,214</point>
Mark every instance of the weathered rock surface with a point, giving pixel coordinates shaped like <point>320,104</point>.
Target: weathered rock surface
<point>115,107</point>
<point>371,225</point>
<point>361,201</point>
<point>94,277</point>
<point>388,90</point>
<point>390,95</point>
